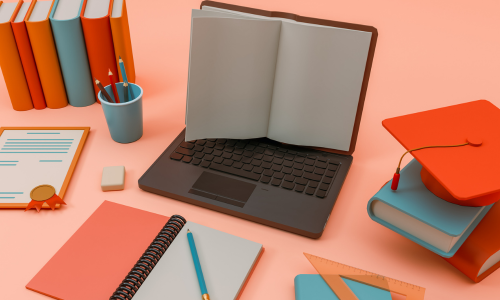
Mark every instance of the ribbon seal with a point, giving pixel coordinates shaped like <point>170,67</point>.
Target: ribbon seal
<point>44,194</point>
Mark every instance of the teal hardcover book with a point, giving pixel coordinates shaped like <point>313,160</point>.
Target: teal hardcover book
<point>313,287</point>
<point>72,52</point>
<point>416,213</point>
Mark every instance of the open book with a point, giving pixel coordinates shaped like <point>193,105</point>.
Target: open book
<point>295,82</point>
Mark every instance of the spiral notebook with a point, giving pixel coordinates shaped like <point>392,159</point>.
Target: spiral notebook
<point>125,253</point>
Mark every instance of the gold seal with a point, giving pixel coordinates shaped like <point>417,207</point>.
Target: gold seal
<point>42,192</point>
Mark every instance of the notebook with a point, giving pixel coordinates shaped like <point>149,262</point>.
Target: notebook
<point>416,213</point>
<point>103,252</point>
<point>254,76</point>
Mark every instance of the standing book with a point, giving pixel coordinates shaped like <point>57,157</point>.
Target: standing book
<point>27,57</point>
<point>10,61</point>
<point>153,260</point>
<point>121,38</point>
<point>44,49</point>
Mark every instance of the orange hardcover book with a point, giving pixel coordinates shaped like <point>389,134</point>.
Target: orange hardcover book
<point>10,61</point>
<point>479,256</point>
<point>99,40</point>
<point>27,57</point>
<point>121,38</point>
<point>44,50</point>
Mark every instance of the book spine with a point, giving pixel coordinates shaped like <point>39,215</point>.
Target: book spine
<point>72,53</point>
<point>29,65</point>
<point>149,259</point>
<point>123,43</point>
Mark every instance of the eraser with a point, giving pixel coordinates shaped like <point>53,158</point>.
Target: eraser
<point>113,178</point>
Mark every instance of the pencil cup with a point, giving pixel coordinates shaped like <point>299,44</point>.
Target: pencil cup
<point>124,119</point>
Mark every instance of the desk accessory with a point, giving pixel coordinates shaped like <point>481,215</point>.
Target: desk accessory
<point>276,182</point>
<point>27,57</point>
<point>103,91</point>
<point>113,178</point>
<point>335,273</point>
<point>121,40</point>
<point>44,50</point>
<point>113,86</point>
<point>10,60</point>
<point>27,153</point>
<point>124,76</point>
<point>70,43</point>
<point>197,266</point>
<point>124,120</point>
<point>90,258</point>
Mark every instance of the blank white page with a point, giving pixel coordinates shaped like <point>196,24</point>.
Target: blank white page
<point>226,261</point>
<point>96,9</point>
<point>231,74</point>
<point>40,11</point>
<point>117,8</point>
<point>318,81</point>
<point>6,11</point>
<point>22,12</point>
<point>67,9</point>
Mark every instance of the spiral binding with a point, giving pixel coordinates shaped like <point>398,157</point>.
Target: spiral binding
<point>149,259</point>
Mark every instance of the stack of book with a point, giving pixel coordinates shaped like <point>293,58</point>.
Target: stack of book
<point>446,198</point>
<point>51,50</point>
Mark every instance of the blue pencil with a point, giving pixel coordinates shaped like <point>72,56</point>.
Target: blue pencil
<point>197,266</point>
<point>125,80</point>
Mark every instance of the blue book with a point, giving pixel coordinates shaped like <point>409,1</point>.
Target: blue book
<point>313,287</point>
<point>72,52</point>
<point>416,213</point>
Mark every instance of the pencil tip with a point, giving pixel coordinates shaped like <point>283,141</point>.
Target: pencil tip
<point>96,81</point>
<point>120,58</point>
<point>189,231</point>
<point>110,73</point>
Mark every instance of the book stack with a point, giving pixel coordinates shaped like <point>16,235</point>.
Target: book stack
<point>446,197</point>
<point>51,50</point>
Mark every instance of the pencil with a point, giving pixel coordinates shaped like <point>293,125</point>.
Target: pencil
<point>113,86</point>
<point>124,75</point>
<point>197,266</point>
<point>103,91</point>
<point>125,92</point>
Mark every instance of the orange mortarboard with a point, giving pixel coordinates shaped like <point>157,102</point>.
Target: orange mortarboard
<point>467,175</point>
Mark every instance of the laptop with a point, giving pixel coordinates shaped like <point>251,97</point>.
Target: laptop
<point>270,181</point>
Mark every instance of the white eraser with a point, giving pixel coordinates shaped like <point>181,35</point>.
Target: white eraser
<point>113,178</point>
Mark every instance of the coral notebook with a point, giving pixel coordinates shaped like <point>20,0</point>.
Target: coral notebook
<point>10,61</point>
<point>103,252</point>
<point>27,57</point>
<point>121,38</point>
<point>99,40</point>
<point>44,49</point>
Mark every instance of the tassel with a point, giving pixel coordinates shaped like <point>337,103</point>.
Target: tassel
<point>395,181</point>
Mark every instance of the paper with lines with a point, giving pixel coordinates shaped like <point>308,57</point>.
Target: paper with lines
<point>29,158</point>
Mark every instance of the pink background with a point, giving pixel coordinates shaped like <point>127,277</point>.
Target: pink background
<point>429,54</point>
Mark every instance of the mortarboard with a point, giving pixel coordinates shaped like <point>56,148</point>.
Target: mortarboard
<point>459,149</point>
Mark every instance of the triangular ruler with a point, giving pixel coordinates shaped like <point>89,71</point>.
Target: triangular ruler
<point>332,272</point>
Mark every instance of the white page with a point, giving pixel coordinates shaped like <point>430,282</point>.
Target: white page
<point>96,9</point>
<point>29,158</point>
<point>226,261</point>
<point>319,74</point>
<point>40,11</point>
<point>22,12</point>
<point>231,74</point>
<point>6,11</point>
<point>117,8</point>
<point>67,9</point>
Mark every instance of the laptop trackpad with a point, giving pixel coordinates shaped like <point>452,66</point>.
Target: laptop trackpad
<point>222,188</point>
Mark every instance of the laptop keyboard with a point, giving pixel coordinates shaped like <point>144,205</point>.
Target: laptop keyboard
<point>277,166</point>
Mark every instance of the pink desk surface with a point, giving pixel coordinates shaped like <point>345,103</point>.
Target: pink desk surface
<point>429,54</point>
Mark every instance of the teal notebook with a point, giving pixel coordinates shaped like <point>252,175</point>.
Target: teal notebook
<point>313,287</point>
<point>416,213</point>
<point>72,52</point>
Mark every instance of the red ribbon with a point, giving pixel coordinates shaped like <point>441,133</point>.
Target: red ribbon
<point>52,201</point>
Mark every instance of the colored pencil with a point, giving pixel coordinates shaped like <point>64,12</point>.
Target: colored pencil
<point>125,92</point>
<point>113,86</point>
<point>124,75</point>
<point>103,91</point>
<point>197,266</point>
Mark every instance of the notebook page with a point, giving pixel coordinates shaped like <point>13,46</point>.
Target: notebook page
<point>318,81</point>
<point>231,75</point>
<point>226,261</point>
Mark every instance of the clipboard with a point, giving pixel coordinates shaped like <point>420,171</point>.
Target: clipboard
<point>72,166</point>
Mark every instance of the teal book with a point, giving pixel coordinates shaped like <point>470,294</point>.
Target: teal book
<point>313,287</point>
<point>72,52</point>
<point>417,214</point>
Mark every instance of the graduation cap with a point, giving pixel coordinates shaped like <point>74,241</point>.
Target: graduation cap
<point>459,149</point>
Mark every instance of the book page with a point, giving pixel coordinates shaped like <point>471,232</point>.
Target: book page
<point>318,81</point>
<point>231,76</point>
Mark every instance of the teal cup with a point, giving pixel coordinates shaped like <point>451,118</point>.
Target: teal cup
<point>124,119</point>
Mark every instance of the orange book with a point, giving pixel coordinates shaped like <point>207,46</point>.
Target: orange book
<point>10,61</point>
<point>44,50</point>
<point>121,38</point>
<point>99,40</point>
<point>479,256</point>
<point>27,58</point>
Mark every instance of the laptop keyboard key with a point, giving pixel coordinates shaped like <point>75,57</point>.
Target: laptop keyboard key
<point>309,169</point>
<point>217,153</point>
<point>187,145</point>
<point>196,161</point>
<point>238,151</point>
<point>287,163</point>
<point>301,181</point>
<point>247,167</point>
<point>321,194</point>
<point>268,172</point>
<point>227,162</point>
<point>313,184</point>
<point>218,160</point>
<point>276,182</point>
<point>238,165</point>
<point>208,157</point>
<point>309,162</point>
<point>219,147</point>
<point>324,186</point>
<point>266,165</point>
<point>258,156</point>
<point>287,170</point>
<point>276,168</point>
<point>187,159</point>
<point>259,150</point>
<point>321,165</point>
<point>288,185</point>
<point>299,188</point>
<point>289,178</point>
<point>248,153</point>
<point>278,175</point>
<point>299,159</point>
<point>256,162</point>
<point>268,158</point>
<point>329,174</point>
<point>279,154</point>
<point>269,152</point>
<point>298,166</point>
<point>246,160</point>
<point>265,179</point>
<point>205,164</point>
<point>226,155</point>
<point>184,151</point>
<point>176,156</point>
<point>319,171</point>
<point>332,167</point>
<point>208,150</point>
<point>210,144</point>
<point>237,172</point>
<point>322,159</point>
<point>297,173</point>
<point>327,180</point>
<point>258,170</point>
<point>201,142</point>
<point>228,149</point>
<point>198,148</point>
<point>236,157</point>
<point>310,191</point>
<point>278,161</point>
